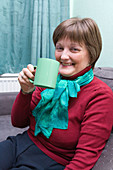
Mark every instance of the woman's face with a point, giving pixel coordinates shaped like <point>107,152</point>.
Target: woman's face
<point>72,56</point>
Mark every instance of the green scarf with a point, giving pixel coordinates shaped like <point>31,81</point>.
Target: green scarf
<point>52,110</point>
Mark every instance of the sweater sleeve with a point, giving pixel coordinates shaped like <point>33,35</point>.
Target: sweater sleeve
<point>21,110</point>
<point>23,106</point>
<point>95,131</point>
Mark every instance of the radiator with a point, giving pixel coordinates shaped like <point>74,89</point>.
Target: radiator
<point>9,83</point>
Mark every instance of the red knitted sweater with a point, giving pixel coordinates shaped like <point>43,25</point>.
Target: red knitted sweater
<point>90,123</point>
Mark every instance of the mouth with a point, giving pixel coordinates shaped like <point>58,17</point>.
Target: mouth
<point>67,64</point>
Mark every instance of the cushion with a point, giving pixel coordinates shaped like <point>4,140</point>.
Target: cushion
<point>105,74</point>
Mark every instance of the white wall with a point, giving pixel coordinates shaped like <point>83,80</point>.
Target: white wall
<point>102,12</point>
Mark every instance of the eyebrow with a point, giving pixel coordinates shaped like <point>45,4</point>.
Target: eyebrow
<point>58,43</point>
<point>71,44</point>
<point>75,43</point>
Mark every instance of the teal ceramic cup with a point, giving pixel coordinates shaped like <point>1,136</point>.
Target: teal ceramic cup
<point>46,73</point>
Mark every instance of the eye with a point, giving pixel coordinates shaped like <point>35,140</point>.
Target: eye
<point>59,48</point>
<point>73,49</point>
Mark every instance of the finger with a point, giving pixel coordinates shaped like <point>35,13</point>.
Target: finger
<point>23,79</point>
<point>27,74</point>
<point>30,67</point>
<point>21,74</point>
<point>24,82</point>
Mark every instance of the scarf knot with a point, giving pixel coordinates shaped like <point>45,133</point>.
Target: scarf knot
<point>52,110</point>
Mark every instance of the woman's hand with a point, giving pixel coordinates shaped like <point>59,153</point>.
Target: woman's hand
<point>23,79</point>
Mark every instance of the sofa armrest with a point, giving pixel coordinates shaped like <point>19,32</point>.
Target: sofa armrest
<point>6,102</point>
<point>105,74</point>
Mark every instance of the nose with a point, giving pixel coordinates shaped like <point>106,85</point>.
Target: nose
<point>65,55</point>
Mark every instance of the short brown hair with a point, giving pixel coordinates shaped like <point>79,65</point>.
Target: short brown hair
<point>84,31</point>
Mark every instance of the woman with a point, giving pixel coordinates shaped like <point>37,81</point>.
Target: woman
<point>85,104</point>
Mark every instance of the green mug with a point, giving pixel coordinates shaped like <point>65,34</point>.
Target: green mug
<point>46,73</point>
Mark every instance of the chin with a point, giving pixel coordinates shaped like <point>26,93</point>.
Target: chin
<point>66,74</point>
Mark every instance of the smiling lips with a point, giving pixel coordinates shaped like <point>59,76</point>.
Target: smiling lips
<point>67,64</point>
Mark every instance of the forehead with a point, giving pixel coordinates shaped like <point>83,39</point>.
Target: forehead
<point>67,41</point>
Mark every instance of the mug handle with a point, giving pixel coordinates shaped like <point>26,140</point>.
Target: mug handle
<point>31,81</point>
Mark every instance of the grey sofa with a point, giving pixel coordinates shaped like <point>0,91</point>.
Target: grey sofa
<point>105,161</point>
<point>6,128</point>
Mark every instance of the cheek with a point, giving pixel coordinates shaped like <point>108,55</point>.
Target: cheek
<point>57,56</point>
